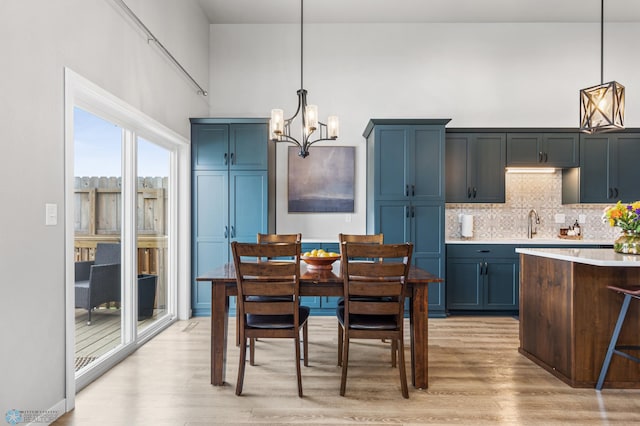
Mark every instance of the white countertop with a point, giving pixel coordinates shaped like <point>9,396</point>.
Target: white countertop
<point>589,256</point>
<point>529,241</point>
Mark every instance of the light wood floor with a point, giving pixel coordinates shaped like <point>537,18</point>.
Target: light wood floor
<point>476,376</point>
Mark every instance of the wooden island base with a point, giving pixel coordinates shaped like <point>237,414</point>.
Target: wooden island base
<point>567,316</point>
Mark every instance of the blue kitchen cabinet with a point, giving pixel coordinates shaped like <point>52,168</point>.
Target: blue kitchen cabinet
<point>608,170</point>
<point>406,192</point>
<point>230,194</point>
<point>543,149</point>
<point>475,167</point>
<point>482,278</point>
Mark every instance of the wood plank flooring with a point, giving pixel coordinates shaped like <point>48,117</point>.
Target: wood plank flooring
<point>476,376</point>
<point>104,334</point>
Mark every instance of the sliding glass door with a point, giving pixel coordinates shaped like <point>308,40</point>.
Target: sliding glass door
<point>127,230</point>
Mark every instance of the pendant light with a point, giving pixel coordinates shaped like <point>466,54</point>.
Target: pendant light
<point>280,129</point>
<point>602,106</point>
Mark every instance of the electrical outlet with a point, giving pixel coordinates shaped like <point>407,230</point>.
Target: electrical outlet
<point>559,218</point>
<point>347,218</point>
<point>582,218</point>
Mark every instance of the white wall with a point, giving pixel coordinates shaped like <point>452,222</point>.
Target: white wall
<point>93,38</point>
<point>479,75</point>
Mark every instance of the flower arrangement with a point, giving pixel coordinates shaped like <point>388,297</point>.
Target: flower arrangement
<point>624,216</point>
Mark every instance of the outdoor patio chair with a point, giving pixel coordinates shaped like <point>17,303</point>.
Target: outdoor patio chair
<point>98,281</point>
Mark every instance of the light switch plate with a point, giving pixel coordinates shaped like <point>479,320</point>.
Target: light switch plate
<point>559,218</point>
<point>51,214</point>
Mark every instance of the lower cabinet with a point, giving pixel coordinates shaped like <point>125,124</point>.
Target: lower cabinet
<point>482,278</point>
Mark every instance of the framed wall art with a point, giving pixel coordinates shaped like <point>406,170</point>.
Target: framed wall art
<point>324,182</point>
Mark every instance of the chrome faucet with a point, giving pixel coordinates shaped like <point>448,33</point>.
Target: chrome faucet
<point>532,220</point>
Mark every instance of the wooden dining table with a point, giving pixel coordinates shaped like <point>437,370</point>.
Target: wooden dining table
<point>315,282</point>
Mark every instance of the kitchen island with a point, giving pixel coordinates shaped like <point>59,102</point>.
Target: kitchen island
<point>567,314</point>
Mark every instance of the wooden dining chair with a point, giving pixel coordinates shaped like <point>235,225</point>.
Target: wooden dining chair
<point>374,298</point>
<point>365,239</point>
<point>260,282</point>
<point>266,239</point>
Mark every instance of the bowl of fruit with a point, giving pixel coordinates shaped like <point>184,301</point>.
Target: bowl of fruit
<point>319,259</point>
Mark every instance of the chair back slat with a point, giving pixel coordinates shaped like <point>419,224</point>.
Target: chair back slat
<point>267,269</point>
<point>375,288</point>
<point>374,308</point>
<point>278,238</point>
<point>269,308</point>
<point>377,269</point>
<point>267,288</point>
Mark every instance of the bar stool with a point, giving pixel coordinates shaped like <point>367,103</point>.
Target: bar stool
<point>629,293</point>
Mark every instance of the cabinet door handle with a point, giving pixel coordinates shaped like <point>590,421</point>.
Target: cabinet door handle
<point>540,157</point>
<point>610,193</point>
<point>232,160</point>
<point>406,209</point>
<point>468,192</point>
<point>475,191</point>
<point>486,268</point>
<point>225,159</point>
<point>413,190</point>
<point>413,211</point>
<point>480,266</point>
<point>483,251</point>
<point>546,157</point>
<point>226,231</point>
<point>406,190</point>
<point>616,191</point>
<point>233,231</point>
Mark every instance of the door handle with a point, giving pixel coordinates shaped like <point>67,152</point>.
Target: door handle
<point>406,190</point>
<point>226,231</point>
<point>413,211</point>
<point>616,191</point>
<point>468,192</point>
<point>546,157</point>
<point>406,209</point>
<point>232,160</point>
<point>225,159</point>
<point>486,268</point>
<point>480,264</point>
<point>540,157</point>
<point>413,190</point>
<point>233,231</point>
<point>475,191</point>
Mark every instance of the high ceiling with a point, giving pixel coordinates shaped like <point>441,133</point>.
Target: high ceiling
<point>416,11</point>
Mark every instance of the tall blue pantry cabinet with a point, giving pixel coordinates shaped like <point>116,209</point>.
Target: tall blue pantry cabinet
<point>406,192</point>
<point>230,184</point>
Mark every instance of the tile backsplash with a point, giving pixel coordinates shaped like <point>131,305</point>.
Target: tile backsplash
<point>542,192</point>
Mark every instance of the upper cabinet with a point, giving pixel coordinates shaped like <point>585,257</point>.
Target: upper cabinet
<point>229,146</point>
<point>542,149</point>
<point>408,160</point>
<point>475,167</point>
<point>608,170</point>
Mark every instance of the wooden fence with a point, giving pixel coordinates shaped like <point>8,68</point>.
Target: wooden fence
<point>97,218</point>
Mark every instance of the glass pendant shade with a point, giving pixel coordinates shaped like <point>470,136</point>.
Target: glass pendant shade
<point>602,108</point>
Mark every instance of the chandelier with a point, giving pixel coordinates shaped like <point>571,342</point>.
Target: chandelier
<point>280,129</point>
<point>602,106</point>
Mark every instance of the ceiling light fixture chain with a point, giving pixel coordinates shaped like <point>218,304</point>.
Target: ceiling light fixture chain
<point>602,106</point>
<point>280,129</point>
